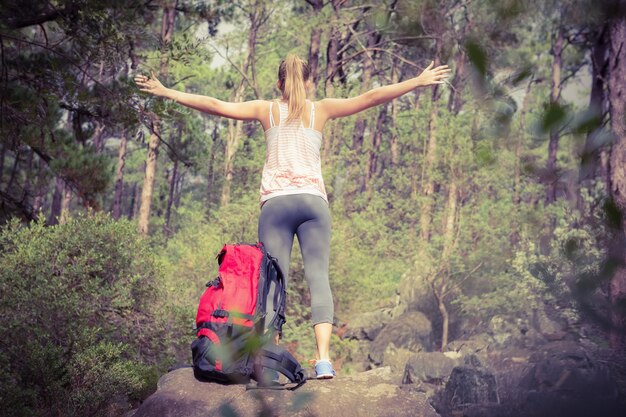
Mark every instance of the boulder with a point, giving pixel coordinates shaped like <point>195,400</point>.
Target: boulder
<point>563,379</point>
<point>550,329</point>
<point>558,379</point>
<point>507,331</point>
<point>366,394</point>
<point>397,358</point>
<point>366,326</point>
<point>430,367</point>
<point>359,356</point>
<point>478,345</point>
<point>411,331</point>
<point>567,366</point>
<point>467,388</point>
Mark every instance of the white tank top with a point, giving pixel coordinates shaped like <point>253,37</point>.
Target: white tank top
<point>292,159</point>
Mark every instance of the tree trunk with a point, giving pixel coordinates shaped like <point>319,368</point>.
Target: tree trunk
<point>167,30</point>
<point>450,225</point>
<point>449,230</point>
<point>366,84</point>
<point>28,184</point>
<point>40,187</point>
<point>394,117</point>
<point>314,47</point>
<point>331,60</point>
<point>3,150</point>
<point>445,316</point>
<point>355,164</point>
<point>407,294</point>
<point>179,189</point>
<point>455,102</point>
<point>590,164</point>
<point>235,127</point>
<point>617,110</point>
<point>376,137</point>
<point>428,188</point>
<point>211,169</point>
<point>99,137</point>
<point>55,208</point>
<point>132,209</point>
<point>555,93</point>
<point>430,162</point>
<point>170,199</point>
<point>148,182</point>
<point>16,162</point>
<point>65,204</point>
<point>521,135</point>
<point>119,177</point>
<point>329,88</point>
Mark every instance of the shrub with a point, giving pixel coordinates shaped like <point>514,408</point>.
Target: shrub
<point>77,315</point>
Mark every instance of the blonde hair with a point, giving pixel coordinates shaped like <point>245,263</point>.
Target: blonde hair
<point>292,74</point>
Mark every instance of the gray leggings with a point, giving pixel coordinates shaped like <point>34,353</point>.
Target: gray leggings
<point>307,216</point>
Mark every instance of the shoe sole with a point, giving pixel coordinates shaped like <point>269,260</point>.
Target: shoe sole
<point>325,376</point>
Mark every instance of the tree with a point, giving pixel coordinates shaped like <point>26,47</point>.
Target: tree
<point>257,14</point>
<point>60,112</point>
<point>617,110</point>
<point>167,32</point>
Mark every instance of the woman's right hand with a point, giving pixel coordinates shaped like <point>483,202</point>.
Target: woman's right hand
<point>434,75</point>
<point>150,85</point>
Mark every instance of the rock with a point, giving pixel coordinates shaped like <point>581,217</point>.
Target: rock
<point>513,331</point>
<point>467,388</point>
<point>366,326</point>
<point>548,328</point>
<point>490,410</point>
<point>477,345</point>
<point>469,385</point>
<point>430,367</point>
<point>411,331</point>
<point>396,359</point>
<point>564,379</point>
<point>559,379</point>
<point>366,394</point>
<point>567,366</point>
<point>359,356</point>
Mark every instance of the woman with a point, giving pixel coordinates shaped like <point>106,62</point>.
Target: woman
<point>293,197</point>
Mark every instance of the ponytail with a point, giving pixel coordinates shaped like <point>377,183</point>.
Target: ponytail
<point>292,73</point>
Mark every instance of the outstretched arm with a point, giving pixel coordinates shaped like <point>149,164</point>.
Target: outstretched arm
<point>247,110</point>
<point>336,107</point>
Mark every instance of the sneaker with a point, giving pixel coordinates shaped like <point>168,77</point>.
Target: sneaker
<point>324,370</point>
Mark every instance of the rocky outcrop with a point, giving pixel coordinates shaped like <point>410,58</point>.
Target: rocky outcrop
<point>412,332</point>
<point>366,326</point>
<point>558,379</point>
<point>430,367</point>
<point>469,386</point>
<point>564,379</point>
<point>367,394</point>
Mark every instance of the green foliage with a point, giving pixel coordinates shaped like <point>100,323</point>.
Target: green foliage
<point>554,274</point>
<point>99,373</point>
<point>507,252</point>
<point>78,307</point>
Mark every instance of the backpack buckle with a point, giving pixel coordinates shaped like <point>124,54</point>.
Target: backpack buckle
<point>215,283</point>
<point>220,313</point>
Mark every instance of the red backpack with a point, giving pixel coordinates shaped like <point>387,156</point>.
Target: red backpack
<point>239,314</point>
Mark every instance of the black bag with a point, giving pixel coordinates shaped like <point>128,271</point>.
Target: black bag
<point>238,317</point>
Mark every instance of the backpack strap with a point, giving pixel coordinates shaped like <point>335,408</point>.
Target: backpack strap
<point>279,359</point>
<point>231,314</point>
